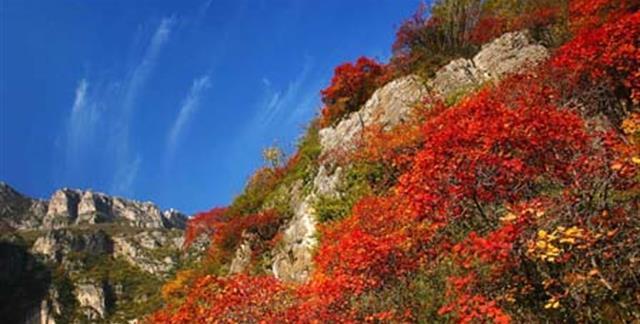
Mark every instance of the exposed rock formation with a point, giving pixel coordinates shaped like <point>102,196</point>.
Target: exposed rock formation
<point>84,233</point>
<point>507,54</point>
<point>56,244</point>
<point>387,106</point>
<point>18,211</point>
<point>242,256</point>
<point>91,299</point>
<point>152,251</point>
<point>63,208</point>
<point>68,207</point>
<point>293,260</point>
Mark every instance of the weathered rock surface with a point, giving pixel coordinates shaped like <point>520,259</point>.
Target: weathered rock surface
<point>69,207</point>
<point>507,54</point>
<point>91,299</point>
<point>242,256</point>
<point>174,219</point>
<point>83,232</point>
<point>387,106</point>
<point>152,251</point>
<point>63,208</point>
<point>55,245</point>
<point>19,211</point>
<point>293,260</point>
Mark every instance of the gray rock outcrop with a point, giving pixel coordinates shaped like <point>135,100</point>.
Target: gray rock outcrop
<point>507,54</point>
<point>63,208</point>
<point>388,106</point>
<point>84,233</point>
<point>151,251</point>
<point>55,245</point>
<point>18,211</point>
<point>70,207</point>
<point>91,299</point>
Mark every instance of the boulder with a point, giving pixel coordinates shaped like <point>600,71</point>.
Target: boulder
<point>91,299</point>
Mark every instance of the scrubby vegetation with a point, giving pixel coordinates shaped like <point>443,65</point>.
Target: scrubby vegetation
<point>517,202</point>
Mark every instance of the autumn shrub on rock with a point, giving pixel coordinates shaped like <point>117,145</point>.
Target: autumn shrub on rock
<point>352,84</point>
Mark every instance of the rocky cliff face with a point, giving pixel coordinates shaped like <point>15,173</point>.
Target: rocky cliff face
<point>102,258</point>
<point>506,54</point>
<point>388,106</point>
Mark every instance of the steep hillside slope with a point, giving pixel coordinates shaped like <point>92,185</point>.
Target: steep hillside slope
<point>459,183</point>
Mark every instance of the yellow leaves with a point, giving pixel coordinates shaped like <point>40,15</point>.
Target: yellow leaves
<point>511,216</point>
<point>508,218</point>
<point>570,235</point>
<point>635,159</point>
<point>547,246</point>
<point>569,240</point>
<point>631,125</point>
<point>552,303</point>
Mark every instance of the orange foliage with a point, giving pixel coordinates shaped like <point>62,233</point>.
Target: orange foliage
<point>237,299</point>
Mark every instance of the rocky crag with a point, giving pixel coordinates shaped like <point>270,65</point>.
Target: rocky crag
<point>83,256</point>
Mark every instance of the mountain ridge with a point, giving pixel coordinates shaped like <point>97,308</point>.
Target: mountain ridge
<point>85,255</point>
<point>68,207</point>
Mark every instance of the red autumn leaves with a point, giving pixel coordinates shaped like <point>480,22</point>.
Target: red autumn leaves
<point>485,184</point>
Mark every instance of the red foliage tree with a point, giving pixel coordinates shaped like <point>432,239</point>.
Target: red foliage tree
<point>351,86</point>
<point>204,223</point>
<point>609,55</point>
<point>485,152</point>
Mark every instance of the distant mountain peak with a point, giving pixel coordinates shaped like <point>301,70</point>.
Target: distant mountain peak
<point>68,207</point>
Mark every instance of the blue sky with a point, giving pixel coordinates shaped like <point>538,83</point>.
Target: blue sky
<point>169,101</point>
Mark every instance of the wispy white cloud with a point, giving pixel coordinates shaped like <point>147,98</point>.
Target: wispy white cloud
<point>90,126</point>
<point>278,111</point>
<point>276,103</point>
<point>80,99</point>
<point>189,106</point>
<point>140,73</point>
<point>80,125</point>
<point>123,158</point>
<point>126,176</point>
